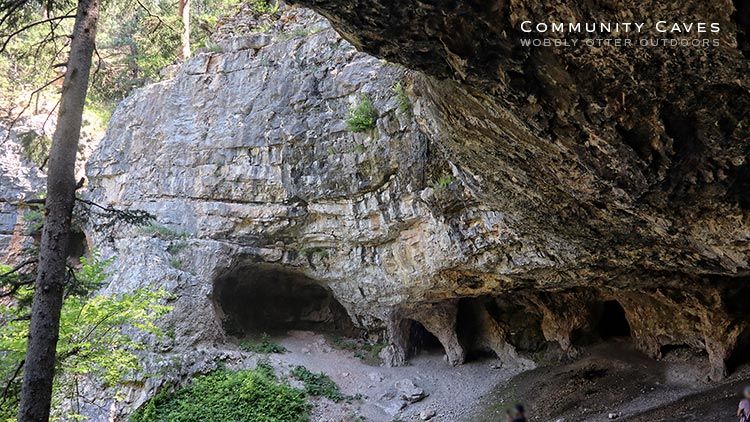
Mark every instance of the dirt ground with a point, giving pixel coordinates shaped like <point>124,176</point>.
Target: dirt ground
<point>613,381</point>
<point>451,390</point>
<point>607,381</point>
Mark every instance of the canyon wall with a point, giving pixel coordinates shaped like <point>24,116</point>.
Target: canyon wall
<point>505,200</point>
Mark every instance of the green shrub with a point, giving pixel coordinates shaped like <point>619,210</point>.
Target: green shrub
<point>318,384</point>
<point>243,396</point>
<point>99,335</point>
<point>363,116</point>
<point>265,345</point>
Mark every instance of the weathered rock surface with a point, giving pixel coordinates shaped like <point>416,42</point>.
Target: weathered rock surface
<point>626,168</point>
<point>23,150</point>
<point>19,179</point>
<point>499,212</point>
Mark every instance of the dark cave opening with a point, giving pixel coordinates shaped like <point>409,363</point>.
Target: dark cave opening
<point>77,245</point>
<point>253,300</point>
<point>421,340</point>
<point>613,322</point>
<point>469,326</point>
<point>741,353</point>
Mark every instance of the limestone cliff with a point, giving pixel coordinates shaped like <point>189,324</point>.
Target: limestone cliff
<point>505,198</point>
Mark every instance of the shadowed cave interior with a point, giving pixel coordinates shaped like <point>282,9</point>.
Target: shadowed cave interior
<point>612,322</point>
<point>421,340</point>
<point>253,300</point>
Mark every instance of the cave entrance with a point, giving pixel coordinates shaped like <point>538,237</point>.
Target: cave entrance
<point>613,322</point>
<point>421,340</point>
<point>77,245</point>
<point>254,300</point>
<point>741,354</point>
<point>472,323</point>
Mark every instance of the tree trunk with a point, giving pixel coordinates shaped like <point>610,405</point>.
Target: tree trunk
<point>36,390</point>
<point>185,14</point>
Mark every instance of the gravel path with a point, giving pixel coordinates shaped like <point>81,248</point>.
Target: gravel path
<point>451,390</point>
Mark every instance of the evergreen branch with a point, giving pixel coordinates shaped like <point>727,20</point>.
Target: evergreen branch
<point>31,25</point>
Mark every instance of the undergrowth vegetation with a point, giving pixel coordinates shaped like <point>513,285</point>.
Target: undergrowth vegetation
<point>243,396</point>
<point>365,350</point>
<point>318,384</point>
<point>98,339</point>
<point>262,345</point>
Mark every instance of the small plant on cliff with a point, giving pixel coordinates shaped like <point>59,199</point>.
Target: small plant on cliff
<point>264,7</point>
<point>443,182</point>
<point>318,384</point>
<point>164,232</point>
<point>264,345</point>
<point>243,396</point>
<point>363,116</point>
<point>176,247</point>
<point>404,104</point>
<point>315,251</point>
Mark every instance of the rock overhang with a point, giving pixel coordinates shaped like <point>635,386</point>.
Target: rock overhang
<point>462,196</point>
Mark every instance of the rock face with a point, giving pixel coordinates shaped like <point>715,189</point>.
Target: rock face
<point>534,198</point>
<point>625,167</point>
<point>24,144</point>
<point>19,179</point>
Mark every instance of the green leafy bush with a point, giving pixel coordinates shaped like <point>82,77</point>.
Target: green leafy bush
<point>92,342</point>
<point>318,384</point>
<point>264,345</point>
<point>363,116</point>
<point>243,396</point>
